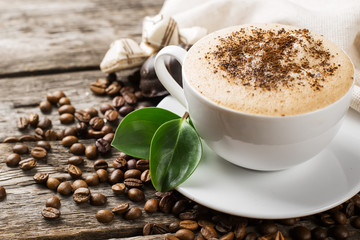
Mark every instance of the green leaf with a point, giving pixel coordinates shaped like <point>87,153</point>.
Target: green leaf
<point>174,154</point>
<point>134,133</point>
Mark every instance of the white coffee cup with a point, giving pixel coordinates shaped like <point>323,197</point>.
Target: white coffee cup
<point>253,141</point>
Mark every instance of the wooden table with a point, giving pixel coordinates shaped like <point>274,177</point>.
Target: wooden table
<point>48,45</point>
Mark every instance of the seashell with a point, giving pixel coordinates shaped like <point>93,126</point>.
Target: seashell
<point>123,53</point>
<point>192,35</point>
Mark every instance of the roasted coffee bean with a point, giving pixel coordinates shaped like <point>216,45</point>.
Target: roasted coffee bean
<point>127,89</point>
<point>326,219</point>
<point>20,148</point>
<point>356,222</point>
<point>189,215</point>
<point>44,144</point>
<point>166,203</point>
<point>79,183</point>
<point>133,213</point>
<point>39,131</point>
<point>118,101</point>
<point>74,171</point>
<point>189,224</point>
<point>240,231</point>
<point>340,232</point>
<point>103,175</point>
<point>339,217</point>
<point>81,128</point>
<point>125,110</point>
<point>350,209</point>
<point>113,89</point>
<point>147,229</point>
<point>22,123</point>
<point>27,138</point>
<point>251,236</point>
<point>139,95</point>
<point>151,205</point>
<point>142,164</point>
<point>124,156</point>
<point>11,140</point>
<point>185,234</point>
<point>52,98</point>
<point>104,216</point>
<point>41,178</point>
<point>145,176</point>
<point>267,228</point>
<point>2,193</point>
<point>75,160</point>
<point>107,129</point>
<point>91,152</point>
<point>118,188</point>
<point>81,195</point>
<point>121,208</point>
<point>44,123</point>
<point>100,164</point>
<point>98,88</point>
<point>159,228</point>
<point>116,176</point>
<point>130,98</point>
<point>66,118</point>
<point>64,188</point>
<point>132,173</point>
<point>92,111</point>
<point>208,232</point>
<point>111,115</point>
<point>50,213</point>
<point>102,146</point>
<point>13,160</point>
<point>228,236</point>
<point>52,183</point>
<point>174,226</point>
<point>53,202</point>
<point>27,164</point>
<point>105,107</point>
<point>71,131</point>
<point>223,227</point>
<point>92,180</point>
<point>82,116</point>
<point>204,222</point>
<point>45,106</point>
<point>96,123</point>
<point>64,101</point>
<point>136,195</point>
<point>94,134</point>
<point>133,183</point>
<point>98,199</point>
<point>109,137</point>
<point>38,153</point>
<point>77,149</point>
<point>66,109</point>
<point>119,163</point>
<point>57,95</point>
<point>60,134</point>
<point>33,119</point>
<point>50,135</point>
<point>179,206</point>
<point>319,233</point>
<point>301,233</point>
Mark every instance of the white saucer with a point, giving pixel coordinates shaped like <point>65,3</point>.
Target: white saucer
<point>323,182</point>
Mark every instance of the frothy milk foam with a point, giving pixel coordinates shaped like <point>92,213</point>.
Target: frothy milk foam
<point>269,69</point>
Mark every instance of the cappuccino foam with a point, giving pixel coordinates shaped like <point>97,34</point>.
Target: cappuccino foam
<point>269,69</point>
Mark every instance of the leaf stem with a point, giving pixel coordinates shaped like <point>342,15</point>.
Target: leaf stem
<point>185,116</point>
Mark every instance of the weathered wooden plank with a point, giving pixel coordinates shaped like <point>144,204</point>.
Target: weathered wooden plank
<point>43,35</point>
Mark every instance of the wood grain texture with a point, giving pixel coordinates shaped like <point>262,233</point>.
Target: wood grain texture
<point>43,35</point>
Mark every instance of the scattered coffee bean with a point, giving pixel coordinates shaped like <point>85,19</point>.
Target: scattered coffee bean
<point>133,213</point>
<point>64,101</point>
<point>60,134</point>
<point>230,236</point>
<point>75,160</point>
<point>45,106</point>
<point>33,119</point>
<point>240,231</point>
<point>82,116</point>
<point>113,89</point>
<point>91,152</point>
<point>98,199</point>
<point>109,137</point>
<point>103,175</point>
<point>74,171</point>
<point>111,115</point>
<point>124,156</point>
<point>208,232</point>
<point>174,226</point>
<point>68,141</point>
<point>116,176</point>
<point>204,222</point>
<point>98,88</point>
<point>121,208</point>
<point>92,111</point>
<point>50,135</point>
<point>145,176</point>
<point>11,140</point>
<point>185,234</point>
<point>104,216</point>
<point>132,173</point>
<point>77,149</point>
<point>189,214</point>
<point>118,101</point>
<point>50,213</point>
<point>107,129</point>
<point>66,109</point>
<point>166,203</point>
<point>52,98</point>
<point>66,118</point>
<point>118,188</point>
<point>44,123</point>
<point>81,195</point>
<point>105,107</point>
<point>136,195</point>
<point>301,233</point>
<point>131,164</point>
<point>2,193</point>
<point>39,133</point>
<point>71,131</point>
<point>147,229</point>
<point>64,188</point>
<point>151,205</point>
<point>94,134</point>
<point>251,236</point>
<point>13,160</point>
<point>340,232</point>
<point>139,95</point>
<point>133,183</point>
<point>119,163</point>
<point>319,233</point>
<point>189,224</point>
<point>81,129</point>
<point>179,206</point>
<point>268,228</point>
<point>130,98</point>
<point>20,148</point>
<point>100,164</point>
<point>92,180</point>
<point>142,164</point>
<point>27,138</point>
<point>41,178</point>
<point>53,202</point>
<point>356,222</point>
<point>22,123</point>
<point>125,110</point>
<point>52,183</point>
<point>159,228</point>
<point>350,209</point>
<point>102,146</point>
<point>27,164</point>
<point>326,219</point>
<point>38,153</point>
<point>339,217</point>
<point>44,144</point>
<point>96,123</point>
<point>79,183</point>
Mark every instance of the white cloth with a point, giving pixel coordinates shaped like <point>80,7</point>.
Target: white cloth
<point>337,20</point>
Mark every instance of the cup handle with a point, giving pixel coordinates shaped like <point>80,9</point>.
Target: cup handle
<point>164,76</point>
